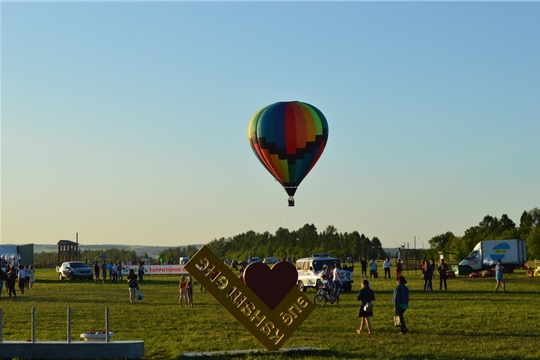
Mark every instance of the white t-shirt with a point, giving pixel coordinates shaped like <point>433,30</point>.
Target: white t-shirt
<point>336,275</point>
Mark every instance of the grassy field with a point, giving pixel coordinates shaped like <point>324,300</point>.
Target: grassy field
<point>466,322</point>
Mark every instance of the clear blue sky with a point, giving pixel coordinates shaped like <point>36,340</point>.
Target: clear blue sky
<point>127,122</point>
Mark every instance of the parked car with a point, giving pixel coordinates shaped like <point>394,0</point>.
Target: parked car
<point>488,273</point>
<point>271,260</point>
<point>75,270</point>
<point>253,260</point>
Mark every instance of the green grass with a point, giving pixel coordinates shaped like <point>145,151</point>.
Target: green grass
<point>466,322</point>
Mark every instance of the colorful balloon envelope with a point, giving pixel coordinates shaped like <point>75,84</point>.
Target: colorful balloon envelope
<point>288,138</point>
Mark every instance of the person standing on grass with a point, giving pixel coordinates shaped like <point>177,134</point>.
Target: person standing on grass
<point>428,277</point>
<point>365,296</point>
<point>423,265</point>
<point>399,268</point>
<point>21,276</point>
<point>104,271</point>
<point>32,274</point>
<point>373,269</point>
<point>140,272</point>
<point>133,286</point>
<point>189,290</point>
<point>119,269</point>
<point>96,272</point>
<point>431,268</point>
<point>110,268</point>
<point>115,273</point>
<point>499,272</point>
<point>338,284</point>
<point>401,302</point>
<point>363,264</point>
<point>10,282</point>
<point>182,285</point>
<point>443,268</point>
<point>3,277</point>
<point>26,277</point>
<point>386,265</point>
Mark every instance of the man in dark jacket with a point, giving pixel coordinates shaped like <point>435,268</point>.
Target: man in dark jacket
<point>401,302</point>
<point>442,268</point>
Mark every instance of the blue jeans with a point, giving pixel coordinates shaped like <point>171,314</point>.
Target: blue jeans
<point>337,289</point>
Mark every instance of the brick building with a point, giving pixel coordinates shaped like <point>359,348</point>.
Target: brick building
<point>68,251</point>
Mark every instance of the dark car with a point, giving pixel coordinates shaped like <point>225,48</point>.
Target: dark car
<point>75,270</point>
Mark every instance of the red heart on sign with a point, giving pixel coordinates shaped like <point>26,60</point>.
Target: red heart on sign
<point>271,285</point>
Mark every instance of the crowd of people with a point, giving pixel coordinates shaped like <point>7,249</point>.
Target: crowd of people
<point>400,297</point>
<point>373,274</point>
<point>16,275</point>
<point>114,271</point>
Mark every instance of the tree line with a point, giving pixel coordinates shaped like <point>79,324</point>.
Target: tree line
<point>171,255</point>
<point>299,243</point>
<point>49,258</point>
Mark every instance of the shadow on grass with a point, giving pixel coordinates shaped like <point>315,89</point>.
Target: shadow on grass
<point>57,281</point>
<point>473,292</point>
<point>311,354</point>
<point>289,354</point>
<point>123,281</point>
<point>494,335</point>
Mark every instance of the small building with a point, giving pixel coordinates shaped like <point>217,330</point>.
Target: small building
<point>68,250</point>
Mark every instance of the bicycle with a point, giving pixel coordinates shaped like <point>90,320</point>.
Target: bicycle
<point>323,295</point>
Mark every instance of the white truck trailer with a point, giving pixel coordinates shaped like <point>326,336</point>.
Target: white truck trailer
<point>511,252</point>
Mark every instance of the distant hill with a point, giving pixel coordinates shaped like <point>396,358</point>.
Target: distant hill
<point>152,251</point>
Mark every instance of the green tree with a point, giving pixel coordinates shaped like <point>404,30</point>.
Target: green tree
<point>377,249</point>
<point>506,224</point>
<point>45,259</point>
<point>191,250</point>
<point>460,246</point>
<point>365,246</point>
<point>353,244</point>
<point>171,254</point>
<point>440,242</point>
<point>308,238</point>
<point>533,243</point>
<point>219,247</point>
<point>530,219</point>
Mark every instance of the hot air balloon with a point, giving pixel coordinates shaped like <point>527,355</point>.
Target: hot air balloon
<point>288,138</point>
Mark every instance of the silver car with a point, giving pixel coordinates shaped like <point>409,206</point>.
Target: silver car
<point>75,270</point>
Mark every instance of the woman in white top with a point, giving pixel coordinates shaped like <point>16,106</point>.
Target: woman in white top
<point>32,276</point>
<point>338,284</point>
